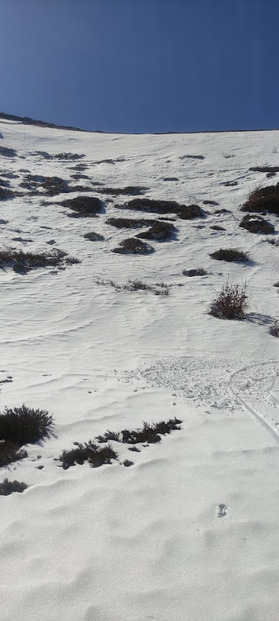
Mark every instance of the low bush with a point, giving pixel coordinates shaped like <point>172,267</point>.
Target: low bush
<point>22,262</point>
<point>130,223</point>
<point>263,200</point>
<point>89,451</point>
<point>131,190</point>
<point>161,231</point>
<point>6,193</point>
<point>216,227</point>
<point>23,425</point>
<point>256,224</point>
<point>84,206</point>
<point>50,186</point>
<point>150,433</point>
<point>94,236</point>
<point>230,255</point>
<point>159,288</point>
<point>8,152</point>
<point>265,169</point>
<point>189,212</point>
<point>8,487</point>
<point>230,303</point>
<point>133,246</point>
<point>195,272</point>
<point>10,452</point>
<point>274,330</point>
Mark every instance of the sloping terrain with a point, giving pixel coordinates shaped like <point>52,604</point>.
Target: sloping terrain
<point>102,327</point>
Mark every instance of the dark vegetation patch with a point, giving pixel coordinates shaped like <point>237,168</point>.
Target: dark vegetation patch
<point>216,227</point>
<point>219,212</point>
<point>10,452</point>
<point>161,231</point>
<point>90,452</point>
<point>265,169</point>
<point>230,303</point>
<point>170,179</point>
<point>127,463</point>
<point>130,223</point>
<point>128,190</point>
<point>158,288</point>
<point>133,246</point>
<point>273,242</point>
<point>230,254</point>
<point>6,152</point>
<point>43,154</point>
<point>149,434</point>
<point>163,207</point>
<point>210,202</point>
<point>51,186</point>
<point>5,183</point>
<point>92,236</point>
<point>229,183</point>
<point>276,284</point>
<point>195,272</point>
<point>256,224</point>
<point>6,193</point>
<point>193,157</point>
<point>79,176</point>
<point>79,167</point>
<point>84,206</point>
<point>274,329</point>
<point>23,425</point>
<point>68,156</point>
<point>110,160</point>
<point>8,487</point>
<point>263,200</point>
<point>22,262</point>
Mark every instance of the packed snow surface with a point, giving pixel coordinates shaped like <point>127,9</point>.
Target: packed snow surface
<point>190,531</point>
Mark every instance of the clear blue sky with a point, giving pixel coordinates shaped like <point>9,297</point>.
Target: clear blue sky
<point>141,65</point>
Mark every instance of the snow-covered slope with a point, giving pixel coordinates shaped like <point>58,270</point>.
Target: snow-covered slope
<point>189,532</point>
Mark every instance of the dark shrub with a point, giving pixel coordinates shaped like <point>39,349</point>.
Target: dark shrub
<point>128,190</point>
<point>23,262</point>
<point>6,152</point>
<point>193,157</point>
<point>153,205</point>
<point>51,186</point>
<point>263,200</point>
<point>230,303</point>
<point>274,330</point>
<point>230,254</point>
<point>8,487</point>
<point>195,272</point>
<point>150,433</point>
<point>6,193</point>
<point>94,236</point>
<point>130,223</point>
<point>25,425</point>
<point>161,231</point>
<point>90,452</point>
<point>84,206</point>
<point>215,227</point>
<point>208,202</point>
<point>10,452</point>
<point>265,169</point>
<point>68,156</point>
<point>133,246</point>
<point>189,212</point>
<point>229,183</point>
<point>256,224</point>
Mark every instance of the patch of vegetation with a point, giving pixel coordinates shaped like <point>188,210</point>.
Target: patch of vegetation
<point>185,212</point>
<point>160,231</point>
<point>128,190</point>
<point>256,224</point>
<point>230,303</point>
<point>215,227</point>
<point>195,272</point>
<point>189,212</point>
<point>263,200</point>
<point>231,255</point>
<point>210,202</point>
<point>8,487</point>
<point>274,330</point>
<point>137,285</point>
<point>229,183</point>
<point>170,179</point>
<point>23,425</point>
<point>127,463</point>
<point>193,157</point>
<point>84,206</point>
<point>51,186</point>
<point>149,434</point>
<point>68,156</point>
<point>22,262</point>
<point>10,452</point>
<point>273,242</point>
<point>90,452</point>
<point>92,236</point>
<point>6,193</point>
<point>265,169</point>
<point>6,152</point>
<point>130,223</point>
<point>219,212</point>
<point>79,176</point>
<point>276,284</point>
<point>133,246</point>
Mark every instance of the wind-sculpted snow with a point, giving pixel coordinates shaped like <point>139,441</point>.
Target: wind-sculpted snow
<point>186,528</point>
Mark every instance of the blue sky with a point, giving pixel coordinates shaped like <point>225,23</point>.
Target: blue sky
<point>141,65</point>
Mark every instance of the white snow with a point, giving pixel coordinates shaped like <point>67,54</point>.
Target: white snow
<point>190,532</point>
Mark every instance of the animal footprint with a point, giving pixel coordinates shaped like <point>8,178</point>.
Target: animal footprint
<point>222,511</point>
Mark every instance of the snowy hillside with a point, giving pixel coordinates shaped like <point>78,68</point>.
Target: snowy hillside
<point>189,531</point>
